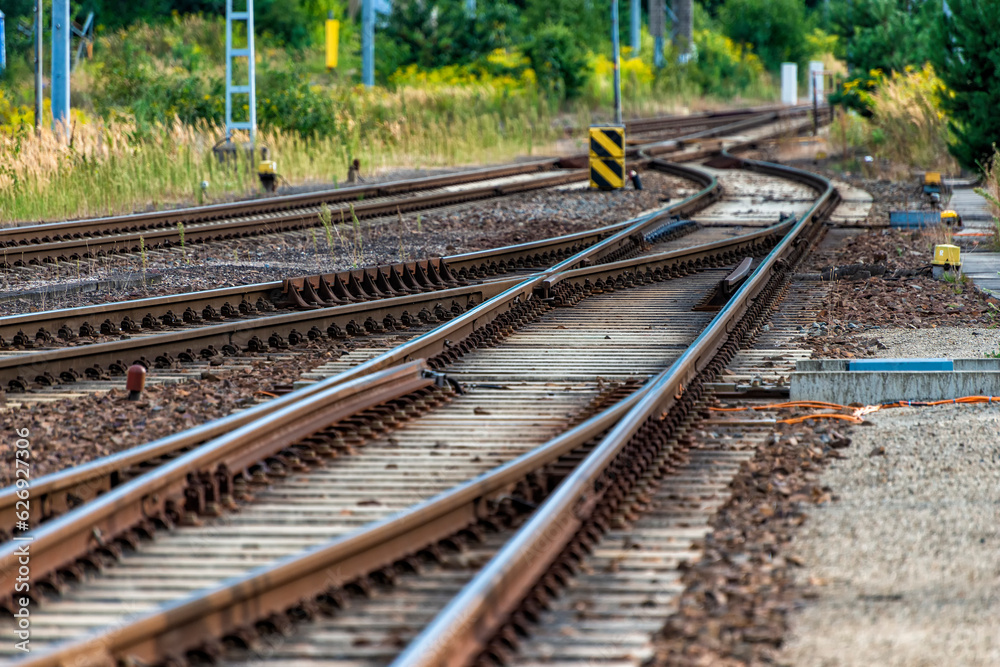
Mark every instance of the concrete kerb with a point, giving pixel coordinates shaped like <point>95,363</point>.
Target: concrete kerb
<point>832,380</point>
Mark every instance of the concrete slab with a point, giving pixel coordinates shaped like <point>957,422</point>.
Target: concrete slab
<point>835,381</point>
<point>984,270</point>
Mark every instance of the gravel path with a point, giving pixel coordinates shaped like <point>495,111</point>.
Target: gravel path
<point>947,342</point>
<point>904,566</point>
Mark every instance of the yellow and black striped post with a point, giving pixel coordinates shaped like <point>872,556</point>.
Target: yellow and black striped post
<point>607,156</point>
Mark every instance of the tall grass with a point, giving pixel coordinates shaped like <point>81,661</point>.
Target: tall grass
<point>111,167</point>
<point>909,127</point>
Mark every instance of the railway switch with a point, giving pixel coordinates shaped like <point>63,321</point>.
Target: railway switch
<point>607,157</point>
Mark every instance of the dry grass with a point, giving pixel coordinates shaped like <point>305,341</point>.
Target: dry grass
<point>109,169</point>
<point>908,125</point>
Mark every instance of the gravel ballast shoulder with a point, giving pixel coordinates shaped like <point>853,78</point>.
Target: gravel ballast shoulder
<point>904,567</point>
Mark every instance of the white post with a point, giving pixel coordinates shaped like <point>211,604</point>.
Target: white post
<point>816,75</point>
<point>789,83</point>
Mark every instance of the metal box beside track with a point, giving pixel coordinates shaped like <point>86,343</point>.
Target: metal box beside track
<point>607,156</point>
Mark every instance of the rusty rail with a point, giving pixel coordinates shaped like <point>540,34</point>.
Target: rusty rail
<point>176,489</point>
<point>64,491</point>
<point>120,224</point>
<point>68,364</point>
<point>227,609</point>
<point>465,628</point>
<point>251,225</point>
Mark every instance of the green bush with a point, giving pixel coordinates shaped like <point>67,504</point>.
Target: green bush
<point>431,35</point>
<point>774,29</point>
<point>723,67</point>
<point>559,63</point>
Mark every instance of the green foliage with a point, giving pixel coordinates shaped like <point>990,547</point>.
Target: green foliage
<point>724,68</point>
<point>775,30</point>
<point>159,73</point>
<point>438,34</point>
<point>968,61</point>
<point>884,34</point>
<point>589,20</point>
<point>558,61</point>
<point>906,113</point>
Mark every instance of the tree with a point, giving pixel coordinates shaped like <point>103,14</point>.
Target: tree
<point>432,33</point>
<point>589,21</point>
<point>775,29</point>
<point>884,34</point>
<point>559,63</point>
<point>968,61</point>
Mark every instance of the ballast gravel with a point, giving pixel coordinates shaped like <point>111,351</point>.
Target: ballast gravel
<point>469,227</point>
<point>905,566</point>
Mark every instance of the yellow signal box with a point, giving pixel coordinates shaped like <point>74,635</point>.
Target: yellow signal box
<point>607,157</point>
<point>947,255</point>
<point>332,42</point>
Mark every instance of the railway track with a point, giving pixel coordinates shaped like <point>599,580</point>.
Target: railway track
<point>503,383</point>
<point>67,491</point>
<point>158,332</point>
<point>90,239</point>
<point>76,346</point>
<point>64,491</point>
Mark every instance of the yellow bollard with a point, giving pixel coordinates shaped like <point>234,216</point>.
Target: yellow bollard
<point>332,42</point>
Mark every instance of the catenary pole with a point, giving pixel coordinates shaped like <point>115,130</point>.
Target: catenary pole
<point>38,67</point>
<point>636,18</point>
<point>3,42</point>
<point>617,61</point>
<point>368,42</point>
<point>59,84</point>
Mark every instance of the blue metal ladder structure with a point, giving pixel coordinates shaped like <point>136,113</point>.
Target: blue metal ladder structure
<point>250,87</point>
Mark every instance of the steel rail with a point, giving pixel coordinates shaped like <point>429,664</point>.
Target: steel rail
<point>120,316</point>
<point>162,497</point>
<point>149,220</point>
<point>229,338</point>
<point>241,602</point>
<point>477,326</point>
<point>65,490</point>
<point>652,124</point>
<point>473,618</point>
<point>18,371</point>
<point>152,220</point>
<point>251,225</point>
<point>227,609</point>
<point>62,491</point>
